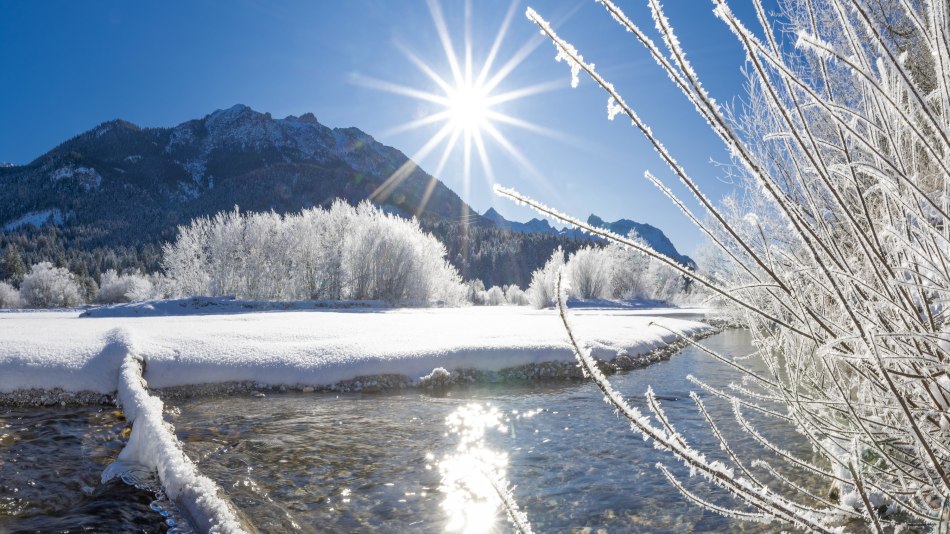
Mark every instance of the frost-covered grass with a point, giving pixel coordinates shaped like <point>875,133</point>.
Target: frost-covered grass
<point>47,350</point>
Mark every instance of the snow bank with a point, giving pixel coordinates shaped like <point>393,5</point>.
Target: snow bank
<point>220,306</point>
<point>154,447</point>
<point>311,348</point>
<point>644,307</point>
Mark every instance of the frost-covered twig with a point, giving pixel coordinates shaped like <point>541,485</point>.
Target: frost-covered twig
<point>755,495</point>
<point>840,249</point>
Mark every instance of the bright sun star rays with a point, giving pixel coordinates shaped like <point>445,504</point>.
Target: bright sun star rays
<point>468,100</point>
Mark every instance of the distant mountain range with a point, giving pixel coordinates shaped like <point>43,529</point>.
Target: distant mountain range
<point>538,226</point>
<point>652,235</point>
<point>121,185</point>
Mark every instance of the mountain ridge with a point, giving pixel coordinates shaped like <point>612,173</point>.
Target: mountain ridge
<point>171,175</point>
<point>652,235</point>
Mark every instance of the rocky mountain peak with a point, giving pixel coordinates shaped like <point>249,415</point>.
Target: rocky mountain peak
<point>493,215</point>
<point>652,235</point>
<point>128,184</point>
<point>595,221</point>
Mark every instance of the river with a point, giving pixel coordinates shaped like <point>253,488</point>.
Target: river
<point>393,462</point>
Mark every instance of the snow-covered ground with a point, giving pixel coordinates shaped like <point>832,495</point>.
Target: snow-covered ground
<point>47,350</point>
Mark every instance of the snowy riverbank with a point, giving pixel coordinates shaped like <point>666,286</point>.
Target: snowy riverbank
<point>51,351</point>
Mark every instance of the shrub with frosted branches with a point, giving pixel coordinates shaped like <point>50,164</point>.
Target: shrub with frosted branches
<point>612,272</point>
<point>129,287</point>
<point>495,296</point>
<point>588,273</point>
<point>46,286</point>
<point>475,292</point>
<point>9,296</point>
<point>837,256</point>
<point>515,296</point>
<point>540,291</point>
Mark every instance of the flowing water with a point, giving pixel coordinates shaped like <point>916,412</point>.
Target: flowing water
<point>51,461</point>
<point>397,462</point>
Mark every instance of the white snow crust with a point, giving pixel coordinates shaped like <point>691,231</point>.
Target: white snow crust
<point>48,350</point>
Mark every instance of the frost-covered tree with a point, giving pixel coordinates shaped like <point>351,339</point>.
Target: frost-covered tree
<point>541,290</point>
<point>344,252</point>
<point>9,296</point>
<point>515,296</point>
<point>837,258</point>
<point>162,286</point>
<point>628,270</point>
<point>46,286</point>
<point>495,296</point>
<point>612,272</point>
<point>475,292</point>
<point>130,287</point>
<point>590,277</point>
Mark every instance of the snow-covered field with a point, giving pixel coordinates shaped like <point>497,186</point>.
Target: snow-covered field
<point>47,350</point>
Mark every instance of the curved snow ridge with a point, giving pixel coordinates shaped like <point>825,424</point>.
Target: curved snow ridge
<point>153,445</point>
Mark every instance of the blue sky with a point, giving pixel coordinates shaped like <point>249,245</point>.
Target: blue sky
<point>68,66</point>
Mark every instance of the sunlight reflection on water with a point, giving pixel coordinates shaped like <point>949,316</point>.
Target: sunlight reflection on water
<point>471,500</point>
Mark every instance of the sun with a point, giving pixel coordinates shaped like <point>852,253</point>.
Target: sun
<point>466,106</point>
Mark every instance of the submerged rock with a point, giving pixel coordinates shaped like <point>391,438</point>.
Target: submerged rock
<point>438,379</point>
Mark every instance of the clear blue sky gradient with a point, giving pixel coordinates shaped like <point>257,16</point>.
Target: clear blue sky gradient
<point>68,66</point>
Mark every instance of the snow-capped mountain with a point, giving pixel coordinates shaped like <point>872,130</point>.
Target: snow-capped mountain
<point>651,234</point>
<point>127,184</point>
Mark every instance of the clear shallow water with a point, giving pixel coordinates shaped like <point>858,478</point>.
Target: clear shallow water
<point>51,460</point>
<point>355,463</point>
<point>371,462</point>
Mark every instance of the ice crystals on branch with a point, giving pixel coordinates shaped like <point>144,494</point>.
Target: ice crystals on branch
<point>565,51</point>
<point>813,43</point>
<point>841,276</point>
<point>613,108</point>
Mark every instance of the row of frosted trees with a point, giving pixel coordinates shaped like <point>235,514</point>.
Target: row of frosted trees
<point>48,286</point>
<point>337,254</point>
<point>340,253</point>
<point>615,272</point>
